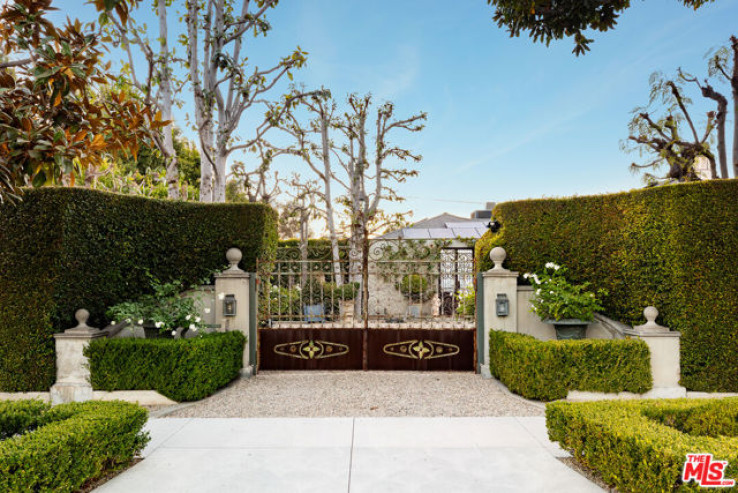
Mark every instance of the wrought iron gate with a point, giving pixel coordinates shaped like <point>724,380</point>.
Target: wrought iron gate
<point>419,312</point>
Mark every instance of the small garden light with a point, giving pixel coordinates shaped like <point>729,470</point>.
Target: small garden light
<point>502,305</point>
<point>229,305</point>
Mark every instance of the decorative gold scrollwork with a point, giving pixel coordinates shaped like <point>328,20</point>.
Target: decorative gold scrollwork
<point>420,349</point>
<point>310,349</point>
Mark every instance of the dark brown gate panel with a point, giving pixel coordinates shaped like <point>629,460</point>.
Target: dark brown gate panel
<point>310,349</point>
<point>421,349</point>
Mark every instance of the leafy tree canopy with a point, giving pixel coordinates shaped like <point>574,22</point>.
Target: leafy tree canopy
<point>546,20</point>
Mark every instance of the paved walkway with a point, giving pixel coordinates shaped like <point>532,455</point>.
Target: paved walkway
<point>361,394</point>
<point>356,455</point>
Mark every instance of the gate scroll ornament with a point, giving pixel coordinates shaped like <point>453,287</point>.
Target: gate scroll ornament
<point>419,349</point>
<point>310,349</point>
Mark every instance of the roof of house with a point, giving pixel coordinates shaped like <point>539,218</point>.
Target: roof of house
<point>443,227</point>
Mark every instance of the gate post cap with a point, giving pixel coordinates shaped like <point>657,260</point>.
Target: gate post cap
<point>498,256</point>
<point>234,256</point>
<point>651,313</point>
<point>82,316</point>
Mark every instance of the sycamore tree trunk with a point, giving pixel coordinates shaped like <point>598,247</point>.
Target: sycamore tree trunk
<point>165,86</point>
<point>219,180</point>
<point>207,166</point>
<point>327,195</point>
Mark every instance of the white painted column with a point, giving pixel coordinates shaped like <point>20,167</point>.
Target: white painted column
<point>72,369</point>
<point>663,345</point>
<point>234,281</point>
<point>498,281</point>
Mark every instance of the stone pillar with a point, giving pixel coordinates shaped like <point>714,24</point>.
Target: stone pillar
<point>498,281</point>
<point>663,345</point>
<point>234,281</point>
<point>72,370</point>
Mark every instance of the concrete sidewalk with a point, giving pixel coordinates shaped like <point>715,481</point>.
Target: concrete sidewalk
<point>353,455</point>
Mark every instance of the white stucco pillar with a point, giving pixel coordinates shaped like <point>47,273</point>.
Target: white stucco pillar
<point>502,283</point>
<point>72,370</point>
<point>664,347</point>
<point>234,281</point>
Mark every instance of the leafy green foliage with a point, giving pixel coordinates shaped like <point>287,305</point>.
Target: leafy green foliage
<point>555,298</point>
<point>58,111</point>
<point>62,249</point>
<point>545,20</point>
<point>548,370</point>
<point>672,247</point>
<point>73,444</point>
<point>181,369</point>
<point>467,299</point>
<point>414,287</point>
<point>165,308</point>
<point>634,448</point>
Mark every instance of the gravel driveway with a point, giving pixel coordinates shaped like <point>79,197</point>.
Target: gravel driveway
<point>360,394</point>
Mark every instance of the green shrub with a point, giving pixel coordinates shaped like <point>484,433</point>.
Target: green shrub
<point>67,248</point>
<point>181,369</point>
<point>633,447</point>
<point>672,247</point>
<point>547,370</point>
<point>73,443</point>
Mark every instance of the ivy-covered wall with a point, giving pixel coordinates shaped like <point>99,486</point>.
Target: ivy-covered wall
<point>67,248</point>
<point>674,247</point>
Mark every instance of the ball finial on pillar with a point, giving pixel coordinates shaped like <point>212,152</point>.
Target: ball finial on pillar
<point>82,317</point>
<point>234,256</point>
<point>498,256</point>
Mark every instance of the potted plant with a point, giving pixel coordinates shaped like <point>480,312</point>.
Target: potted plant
<point>342,299</point>
<point>414,287</point>
<point>313,297</point>
<point>568,307</point>
<point>161,313</point>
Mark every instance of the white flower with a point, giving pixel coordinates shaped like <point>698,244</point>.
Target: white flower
<point>551,265</point>
<point>197,319</point>
<point>221,296</point>
<point>112,322</point>
<point>140,322</point>
<point>188,317</point>
<point>192,327</point>
<point>535,279</point>
<point>207,310</point>
<point>526,275</point>
<point>128,320</point>
<point>538,291</point>
<point>557,267</point>
<point>159,325</point>
<point>551,292</point>
<point>174,332</point>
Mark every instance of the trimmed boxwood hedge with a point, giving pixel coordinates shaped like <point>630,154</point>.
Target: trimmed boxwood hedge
<point>547,370</point>
<point>181,369</point>
<point>641,445</point>
<point>67,248</point>
<point>61,448</point>
<point>673,247</point>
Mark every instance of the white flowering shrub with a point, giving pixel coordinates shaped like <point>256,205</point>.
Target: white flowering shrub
<point>555,298</point>
<point>165,309</point>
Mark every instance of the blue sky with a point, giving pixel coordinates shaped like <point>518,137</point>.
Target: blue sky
<point>507,119</point>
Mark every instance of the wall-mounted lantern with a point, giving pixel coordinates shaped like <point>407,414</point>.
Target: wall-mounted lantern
<point>502,305</point>
<point>229,305</point>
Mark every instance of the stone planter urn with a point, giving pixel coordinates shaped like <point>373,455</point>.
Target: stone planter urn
<point>569,328</point>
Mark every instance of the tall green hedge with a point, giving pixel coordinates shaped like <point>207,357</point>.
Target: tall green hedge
<point>674,247</point>
<point>548,370</point>
<point>66,248</point>
<point>181,369</point>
